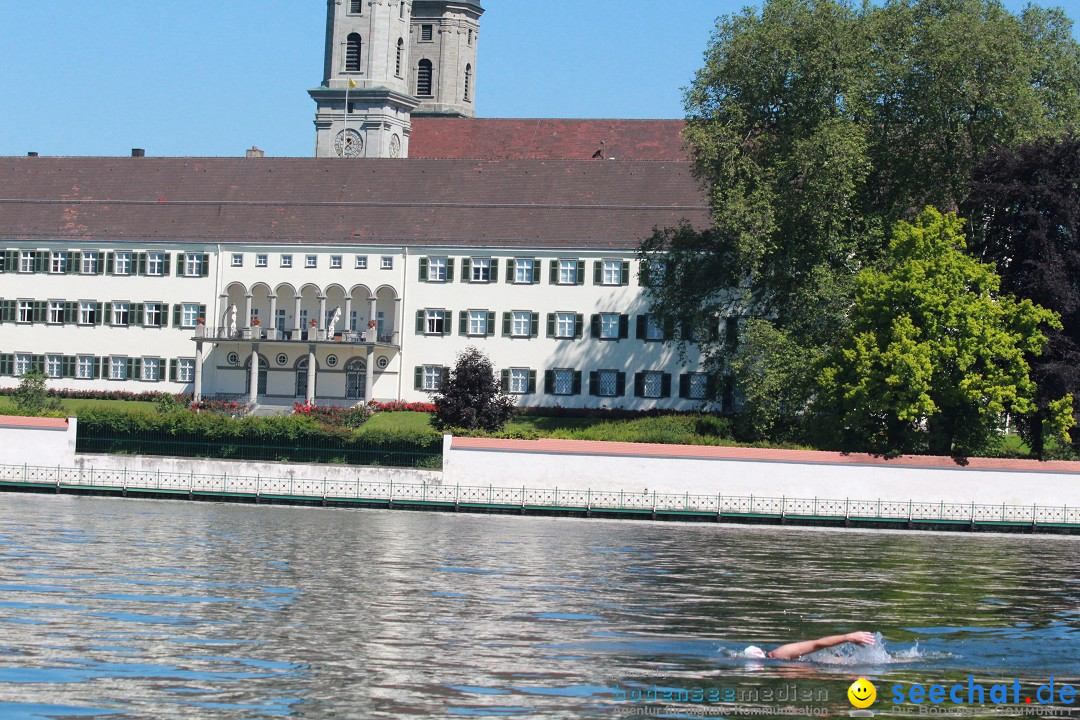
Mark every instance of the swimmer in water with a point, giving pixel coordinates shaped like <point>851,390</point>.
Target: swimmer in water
<point>794,651</point>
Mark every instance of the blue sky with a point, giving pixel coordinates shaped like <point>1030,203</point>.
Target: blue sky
<point>213,77</point>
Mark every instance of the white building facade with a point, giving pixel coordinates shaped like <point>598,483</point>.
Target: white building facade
<point>566,328</point>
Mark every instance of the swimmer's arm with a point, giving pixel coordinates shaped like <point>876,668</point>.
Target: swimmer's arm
<point>793,651</point>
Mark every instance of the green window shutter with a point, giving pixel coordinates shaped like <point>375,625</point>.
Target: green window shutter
<point>579,277</point>
<point>172,370</point>
<point>532,381</point>
<point>620,384</point>
<point>176,315</point>
<point>136,369</point>
<point>71,313</point>
<point>135,317</point>
<point>504,382</point>
<point>3,262</point>
<point>7,311</point>
<point>665,385</point>
<point>536,271</point>
<point>448,322</point>
<point>466,269</point>
<point>624,327</point>
<point>7,363</point>
<point>641,320</point>
<point>549,381</point>
<point>511,264</point>
<point>423,269</point>
<point>165,264</point>
<point>71,261</point>
<point>37,363</point>
<point>594,383</point>
<point>449,269</point>
<point>597,272</point>
<point>490,324</point>
<point>97,367</point>
<point>180,264</point>
<point>624,276</point>
<point>140,266</point>
<point>41,261</point>
<point>551,324</point>
<point>205,269</point>
<point>684,386</point>
<point>418,378</point>
<point>534,325</point>
<point>506,324</point>
<point>99,314</point>
<point>41,311</point>
<point>463,322</point>
<point>595,327</point>
<point>419,322</point>
<point>553,272</point>
<point>494,270</point>
<point>639,385</point>
<point>579,326</point>
<point>202,312</point>
<point>107,315</point>
<point>163,316</point>
<point>110,263</point>
<point>577,382</point>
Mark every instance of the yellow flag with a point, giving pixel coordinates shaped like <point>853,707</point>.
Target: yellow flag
<point>352,83</point>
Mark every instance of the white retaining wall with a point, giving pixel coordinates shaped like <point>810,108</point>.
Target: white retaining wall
<point>507,468</point>
<point>23,442</point>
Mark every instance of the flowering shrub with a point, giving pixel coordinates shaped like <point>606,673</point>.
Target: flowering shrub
<point>335,415</point>
<point>399,406</point>
<point>228,408</point>
<point>106,395</point>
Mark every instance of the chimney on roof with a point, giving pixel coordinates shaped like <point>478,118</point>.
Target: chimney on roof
<point>254,152</point>
<point>31,154</point>
<point>138,152</point>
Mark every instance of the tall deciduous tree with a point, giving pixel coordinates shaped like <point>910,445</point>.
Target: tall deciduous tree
<point>817,124</point>
<point>1025,217</point>
<point>935,354</point>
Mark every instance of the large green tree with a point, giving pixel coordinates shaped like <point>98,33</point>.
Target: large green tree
<point>935,355</point>
<point>817,124</point>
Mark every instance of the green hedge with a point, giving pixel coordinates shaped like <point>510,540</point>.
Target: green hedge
<point>293,438</point>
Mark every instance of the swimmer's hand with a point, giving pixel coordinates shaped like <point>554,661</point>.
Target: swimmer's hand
<point>861,638</point>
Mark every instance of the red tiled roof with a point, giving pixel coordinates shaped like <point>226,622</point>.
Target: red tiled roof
<point>709,452</point>
<point>533,203</point>
<point>15,421</point>
<point>546,138</point>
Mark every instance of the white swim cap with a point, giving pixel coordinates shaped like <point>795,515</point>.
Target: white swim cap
<point>754,652</point>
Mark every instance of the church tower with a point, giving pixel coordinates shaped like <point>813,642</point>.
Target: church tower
<point>364,101</point>
<point>444,38</point>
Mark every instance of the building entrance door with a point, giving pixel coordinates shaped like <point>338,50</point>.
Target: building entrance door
<point>355,379</point>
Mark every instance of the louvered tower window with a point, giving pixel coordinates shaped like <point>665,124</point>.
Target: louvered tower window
<point>423,79</point>
<point>353,48</point>
<point>468,83</point>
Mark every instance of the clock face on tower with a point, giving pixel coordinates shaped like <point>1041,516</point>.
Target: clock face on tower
<point>395,146</point>
<point>348,143</point>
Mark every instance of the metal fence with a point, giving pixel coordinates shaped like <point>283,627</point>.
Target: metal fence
<point>722,506</point>
<point>394,453</point>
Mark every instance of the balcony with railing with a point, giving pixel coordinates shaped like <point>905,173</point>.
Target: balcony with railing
<point>311,335</point>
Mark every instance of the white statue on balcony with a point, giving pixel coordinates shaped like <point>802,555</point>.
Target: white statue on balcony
<point>229,320</point>
<point>331,330</point>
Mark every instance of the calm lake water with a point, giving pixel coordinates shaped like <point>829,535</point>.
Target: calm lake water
<point>149,609</point>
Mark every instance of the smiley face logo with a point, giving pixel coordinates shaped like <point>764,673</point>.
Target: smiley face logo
<point>862,693</point>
